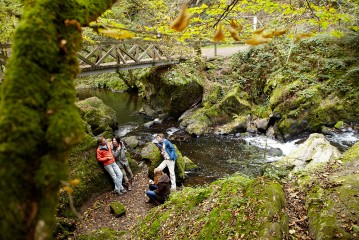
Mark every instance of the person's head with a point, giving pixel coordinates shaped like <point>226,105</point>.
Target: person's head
<point>114,141</point>
<point>101,141</point>
<point>160,137</point>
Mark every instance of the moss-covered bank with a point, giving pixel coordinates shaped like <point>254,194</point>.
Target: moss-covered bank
<point>233,207</point>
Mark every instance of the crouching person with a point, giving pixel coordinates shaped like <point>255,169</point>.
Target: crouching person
<point>105,156</point>
<point>158,193</point>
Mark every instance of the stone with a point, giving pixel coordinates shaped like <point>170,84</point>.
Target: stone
<point>316,150</point>
<point>118,209</point>
<point>99,116</point>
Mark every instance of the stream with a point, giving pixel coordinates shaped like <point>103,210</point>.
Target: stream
<point>216,156</point>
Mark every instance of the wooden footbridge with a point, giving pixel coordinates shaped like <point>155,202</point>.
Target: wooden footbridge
<point>121,55</point>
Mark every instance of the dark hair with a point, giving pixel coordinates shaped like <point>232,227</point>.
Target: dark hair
<point>118,140</point>
<point>161,135</point>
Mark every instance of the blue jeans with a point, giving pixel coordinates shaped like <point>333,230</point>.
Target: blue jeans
<point>150,193</point>
<point>116,174</point>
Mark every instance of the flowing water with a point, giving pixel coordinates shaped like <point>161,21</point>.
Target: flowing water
<point>216,156</point>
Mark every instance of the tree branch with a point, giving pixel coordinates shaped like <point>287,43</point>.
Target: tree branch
<point>226,11</point>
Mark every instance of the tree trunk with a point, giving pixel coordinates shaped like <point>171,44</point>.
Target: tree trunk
<point>38,119</point>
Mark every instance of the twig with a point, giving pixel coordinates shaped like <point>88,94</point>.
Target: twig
<point>226,11</point>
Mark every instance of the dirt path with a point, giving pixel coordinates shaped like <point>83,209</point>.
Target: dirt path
<point>223,51</point>
<point>98,214</point>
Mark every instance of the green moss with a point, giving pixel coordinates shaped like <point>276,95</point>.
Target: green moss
<point>112,81</point>
<point>339,125</point>
<point>226,208</point>
<point>118,209</point>
<point>212,94</point>
<point>101,234</point>
<point>352,154</point>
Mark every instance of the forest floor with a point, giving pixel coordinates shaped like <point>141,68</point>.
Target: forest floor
<point>98,214</point>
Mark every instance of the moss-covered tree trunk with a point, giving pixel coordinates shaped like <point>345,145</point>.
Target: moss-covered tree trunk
<point>38,118</point>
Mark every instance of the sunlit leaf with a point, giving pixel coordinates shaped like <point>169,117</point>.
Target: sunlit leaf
<point>116,33</point>
<point>236,26</point>
<point>182,20</point>
<point>257,40</point>
<point>267,33</point>
<point>233,33</point>
<point>280,32</point>
<point>219,34</point>
<point>258,31</point>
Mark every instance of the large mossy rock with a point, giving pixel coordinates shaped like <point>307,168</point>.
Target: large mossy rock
<point>99,116</point>
<point>151,152</point>
<point>201,121</point>
<point>332,198</point>
<point>314,152</point>
<point>227,209</point>
<point>171,91</point>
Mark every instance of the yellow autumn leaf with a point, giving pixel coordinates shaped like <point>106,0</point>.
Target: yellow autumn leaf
<point>68,189</point>
<point>182,19</point>
<point>233,33</point>
<point>75,182</point>
<point>236,26</point>
<point>280,32</point>
<point>298,37</point>
<point>267,33</point>
<point>258,31</point>
<point>219,34</point>
<point>257,40</point>
<point>116,33</point>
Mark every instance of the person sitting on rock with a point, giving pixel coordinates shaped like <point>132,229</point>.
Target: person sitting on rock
<point>105,156</point>
<point>159,192</point>
<point>119,151</point>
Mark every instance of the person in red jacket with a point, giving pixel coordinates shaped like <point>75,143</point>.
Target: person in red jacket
<point>105,156</point>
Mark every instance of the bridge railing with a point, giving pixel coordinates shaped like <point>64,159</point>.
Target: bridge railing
<point>121,55</point>
<point>131,54</point>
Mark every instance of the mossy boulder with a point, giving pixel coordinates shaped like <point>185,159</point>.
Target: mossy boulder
<point>196,123</point>
<point>239,124</point>
<point>213,92</point>
<point>228,208</point>
<point>131,141</point>
<point>332,199</point>
<point>171,90</point>
<point>235,102</point>
<point>189,165</point>
<point>150,152</point>
<point>99,116</point>
<point>201,121</point>
<point>117,209</point>
<point>314,152</point>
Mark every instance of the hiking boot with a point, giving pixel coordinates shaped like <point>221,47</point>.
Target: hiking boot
<point>123,191</point>
<point>118,192</point>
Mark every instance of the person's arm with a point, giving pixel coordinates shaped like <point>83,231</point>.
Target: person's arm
<point>172,151</point>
